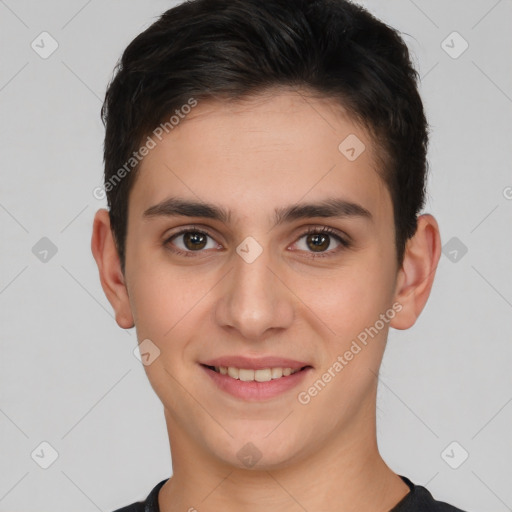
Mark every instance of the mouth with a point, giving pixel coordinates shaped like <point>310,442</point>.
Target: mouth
<point>256,385</point>
<point>252,375</point>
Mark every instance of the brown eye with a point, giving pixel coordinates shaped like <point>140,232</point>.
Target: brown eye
<point>189,241</point>
<point>318,240</point>
<point>194,240</point>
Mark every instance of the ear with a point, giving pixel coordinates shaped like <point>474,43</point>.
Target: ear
<point>112,280</point>
<point>416,276</point>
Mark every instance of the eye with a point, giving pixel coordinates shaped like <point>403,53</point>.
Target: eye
<point>318,240</point>
<point>188,241</point>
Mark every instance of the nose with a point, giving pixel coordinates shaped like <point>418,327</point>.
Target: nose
<point>254,299</point>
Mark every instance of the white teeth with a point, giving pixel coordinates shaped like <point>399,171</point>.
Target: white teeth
<point>233,372</point>
<point>277,372</point>
<point>263,375</point>
<point>248,375</point>
<point>245,375</point>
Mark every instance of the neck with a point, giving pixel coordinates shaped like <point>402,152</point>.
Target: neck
<point>344,473</point>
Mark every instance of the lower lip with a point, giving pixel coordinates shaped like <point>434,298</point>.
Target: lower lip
<point>256,391</point>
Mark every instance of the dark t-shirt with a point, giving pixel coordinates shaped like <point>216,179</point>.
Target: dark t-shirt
<point>418,499</point>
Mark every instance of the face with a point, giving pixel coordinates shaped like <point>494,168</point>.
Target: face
<point>263,277</point>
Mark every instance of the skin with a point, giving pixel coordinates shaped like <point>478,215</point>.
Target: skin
<point>252,157</point>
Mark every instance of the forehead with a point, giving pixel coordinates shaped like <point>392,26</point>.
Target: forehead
<point>267,150</point>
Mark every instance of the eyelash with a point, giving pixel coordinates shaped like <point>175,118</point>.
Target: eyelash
<point>345,244</point>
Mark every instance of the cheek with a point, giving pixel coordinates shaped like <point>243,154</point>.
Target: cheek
<point>347,300</point>
<point>162,301</point>
<point>167,307</point>
<point>346,309</point>
<point>171,305</point>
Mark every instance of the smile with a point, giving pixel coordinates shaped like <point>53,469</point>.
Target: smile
<point>255,385</point>
<point>248,375</point>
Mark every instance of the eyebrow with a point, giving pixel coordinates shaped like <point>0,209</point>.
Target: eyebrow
<point>330,207</point>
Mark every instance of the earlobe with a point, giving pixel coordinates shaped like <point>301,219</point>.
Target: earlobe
<point>112,280</point>
<point>416,277</point>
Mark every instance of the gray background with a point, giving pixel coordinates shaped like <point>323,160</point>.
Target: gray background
<point>68,375</point>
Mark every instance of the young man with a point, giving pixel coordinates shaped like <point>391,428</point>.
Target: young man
<point>265,164</point>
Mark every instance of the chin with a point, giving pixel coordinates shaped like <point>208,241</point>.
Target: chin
<point>262,451</point>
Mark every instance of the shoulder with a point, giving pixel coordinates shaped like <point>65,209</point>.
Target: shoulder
<point>134,507</point>
<point>150,504</point>
<point>420,499</point>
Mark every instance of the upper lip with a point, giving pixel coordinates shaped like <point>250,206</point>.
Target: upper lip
<point>255,363</point>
